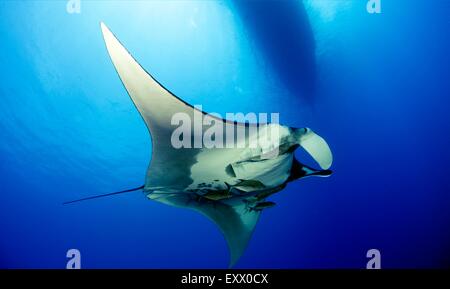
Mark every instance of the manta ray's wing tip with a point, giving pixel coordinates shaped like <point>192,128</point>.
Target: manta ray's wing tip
<point>105,29</point>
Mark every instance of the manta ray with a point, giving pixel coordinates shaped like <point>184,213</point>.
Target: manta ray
<point>230,186</point>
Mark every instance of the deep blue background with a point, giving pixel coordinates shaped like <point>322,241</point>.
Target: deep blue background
<point>69,130</point>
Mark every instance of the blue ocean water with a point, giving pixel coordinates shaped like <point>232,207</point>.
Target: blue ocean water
<point>69,130</point>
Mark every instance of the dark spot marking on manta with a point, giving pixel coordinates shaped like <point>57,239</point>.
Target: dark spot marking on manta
<point>293,148</point>
<point>229,170</point>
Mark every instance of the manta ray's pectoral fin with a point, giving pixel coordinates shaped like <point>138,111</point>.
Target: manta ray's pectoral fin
<point>157,106</point>
<point>235,223</point>
<point>232,217</point>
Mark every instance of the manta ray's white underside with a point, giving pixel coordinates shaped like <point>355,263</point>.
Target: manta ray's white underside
<point>228,185</point>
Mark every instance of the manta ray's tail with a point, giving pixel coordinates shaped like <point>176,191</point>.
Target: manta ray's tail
<point>104,195</point>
